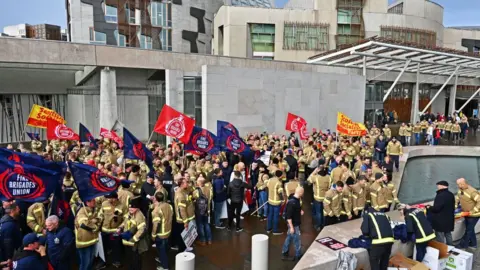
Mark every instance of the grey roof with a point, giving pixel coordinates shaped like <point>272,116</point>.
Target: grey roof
<point>466,27</point>
<point>254,3</point>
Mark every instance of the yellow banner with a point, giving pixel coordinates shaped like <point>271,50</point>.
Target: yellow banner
<point>346,126</point>
<point>39,115</point>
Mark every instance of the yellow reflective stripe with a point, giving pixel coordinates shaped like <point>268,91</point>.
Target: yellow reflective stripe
<point>466,194</point>
<point>128,243</point>
<point>141,225</point>
<point>318,198</point>
<point>424,237</point>
<point>36,228</point>
<point>156,219</point>
<point>30,218</point>
<point>476,197</point>
<point>119,210</point>
<point>163,222</point>
<point>93,241</point>
<point>361,191</point>
<point>383,240</point>
<point>163,234</point>
<point>373,194</point>
<point>355,196</point>
<point>379,234</point>
<point>334,197</point>
<point>345,199</point>
<point>107,208</point>
<point>82,219</point>
<point>38,210</point>
<point>182,205</point>
<point>135,239</point>
<point>107,230</point>
<point>326,201</point>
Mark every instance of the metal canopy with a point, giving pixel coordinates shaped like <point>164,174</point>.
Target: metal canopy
<point>390,56</point>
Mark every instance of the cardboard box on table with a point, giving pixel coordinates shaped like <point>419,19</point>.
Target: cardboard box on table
<point>459,259</point>
<point>398,261</point>
<point>436,256</point>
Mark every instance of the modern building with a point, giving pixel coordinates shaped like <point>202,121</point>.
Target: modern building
<point>38,31</point>
<point>169,25</point>
<point>304,28</point>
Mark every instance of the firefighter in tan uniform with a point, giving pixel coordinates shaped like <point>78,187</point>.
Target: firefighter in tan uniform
<point>36,217</point>
<point>359,194</point>
<point>336,173</point>
<point>276,196</point>
<point>333,204</point>
<point>87,226</point>
<point>134,233</point>
<point>390,193</point>
<point>75,203</point>
<point>136,177</point>
<point>112,213</point>
<point>124,193</point>
<point>262,192</point>
<point>321,184</point>
<point>347,200</point>
<point>469,199</point>
<point>162,217</point>
<point>346,173</point>
<point>291,186</point>
<point>388,132</point>
<point>377,193</point>
<point>395,151</point>
<point>184,211</point>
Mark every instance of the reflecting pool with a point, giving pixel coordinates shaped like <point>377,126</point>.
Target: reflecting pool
<point>422,173</point>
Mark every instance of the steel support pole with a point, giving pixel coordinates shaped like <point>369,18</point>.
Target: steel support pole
<point>396,80</point>
<point>415,96</point>
<point>440,90</point>
<point>453,96</point>
<point>465,104</point>
<point>259,252</point>
<point>365,67</point>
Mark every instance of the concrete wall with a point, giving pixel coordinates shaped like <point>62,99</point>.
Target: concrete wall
<point>81,20</point>
<point>235,22</point>
<point>418,14</point>
<point>259,99</point>
<point>453,37</point>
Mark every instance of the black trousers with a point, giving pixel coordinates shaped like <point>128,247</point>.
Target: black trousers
<point>234,209</point>
<point>135,261</point>
<point>177,236</point>
<point>379,256</point>
<point>331,220</point>
<point>343,218</point>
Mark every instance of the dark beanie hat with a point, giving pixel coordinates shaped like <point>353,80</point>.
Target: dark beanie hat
<point>443,183</point>
<point>378,176</point>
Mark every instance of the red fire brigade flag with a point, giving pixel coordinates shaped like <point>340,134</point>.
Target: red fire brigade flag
<point>174,124</point>
<point>58,131</point>
<point>112,135</point>
<point>303,132</point>
<point>294,122</point>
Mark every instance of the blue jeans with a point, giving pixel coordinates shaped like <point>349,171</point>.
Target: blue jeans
<point>86,256</point>
<point>421,251</point>
<point>380,156</point>
<point>218,212</point>
<point>295,237</point>
<point>273,217</point>
<point>263,198</point>
<point>417,138</point>
<point>469,239</point>
<point>204,232</point>
<point>317,214</point>
<point>162,249</point>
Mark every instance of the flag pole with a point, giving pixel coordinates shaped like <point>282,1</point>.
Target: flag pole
<point>149,138</point>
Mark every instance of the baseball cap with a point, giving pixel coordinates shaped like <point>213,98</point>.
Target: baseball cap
<point>30,239</point>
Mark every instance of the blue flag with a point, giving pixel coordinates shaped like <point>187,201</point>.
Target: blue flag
<point>33,136</point>
<point>231,142</point>
<point>91,182</point>
<point>86,136</point>
<point>227,125</point>
<point>203,141</point>
<point>25,182</point>
<point>33,160</point>
<point>135,149</point>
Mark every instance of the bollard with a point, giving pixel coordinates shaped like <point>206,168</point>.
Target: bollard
<point>260,252</point>
<point>185,261</point>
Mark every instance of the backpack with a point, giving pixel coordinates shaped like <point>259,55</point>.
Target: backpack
<point>201,204</point>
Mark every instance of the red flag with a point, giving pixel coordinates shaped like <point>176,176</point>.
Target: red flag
<point>174,124</point>
<point>112,135</point>
<point>294,122</point>
<point>303,132</point>
<point>58,131</point>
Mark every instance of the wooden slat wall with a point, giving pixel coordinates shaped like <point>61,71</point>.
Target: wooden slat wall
<point>403,107</point>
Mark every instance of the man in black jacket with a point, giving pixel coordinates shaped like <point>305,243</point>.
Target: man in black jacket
<point>236,194</point>
<point>292,164</point>
<point>442,213</point>
<point>10,233</point>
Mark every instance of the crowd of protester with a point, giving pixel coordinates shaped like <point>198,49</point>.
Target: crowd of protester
<point>152,208</point>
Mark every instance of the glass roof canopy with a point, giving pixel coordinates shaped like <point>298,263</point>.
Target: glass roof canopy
<point>378,54</point>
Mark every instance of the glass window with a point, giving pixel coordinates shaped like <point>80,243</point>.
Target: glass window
<point>189,102</point>
<point>263,37</point>
<point>193,98</point>
<point>111,14</point>
<point>369,92</point>
<point>97,37</point>
<point>121,39</point>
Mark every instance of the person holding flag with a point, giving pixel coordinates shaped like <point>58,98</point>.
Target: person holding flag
<point>87,226</point>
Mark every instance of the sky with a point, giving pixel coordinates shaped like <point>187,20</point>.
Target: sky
<point>457,12</point>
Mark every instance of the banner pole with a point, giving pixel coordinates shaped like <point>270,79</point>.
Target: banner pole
<point>149,138</point>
